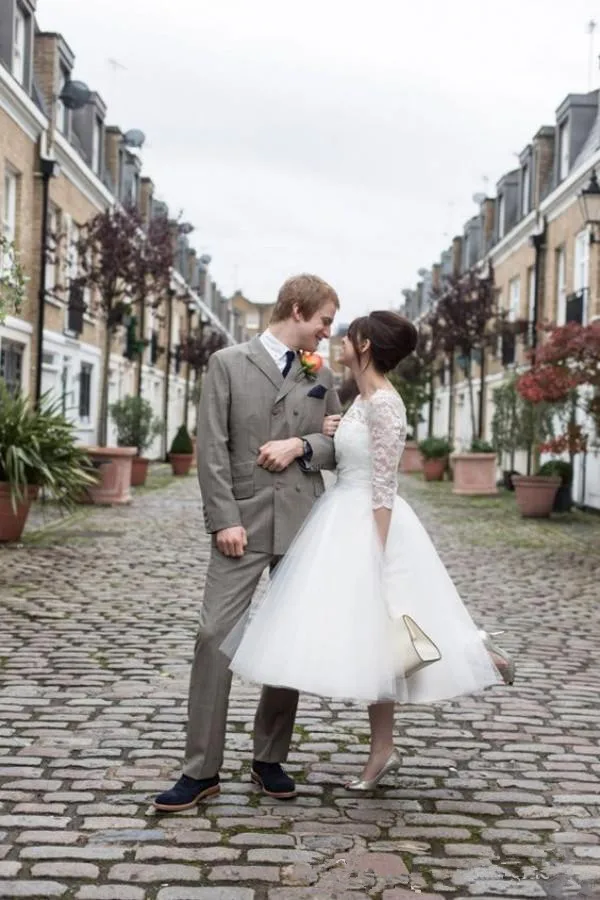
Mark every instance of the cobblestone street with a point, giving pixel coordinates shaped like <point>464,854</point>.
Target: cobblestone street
<point>499,795</point>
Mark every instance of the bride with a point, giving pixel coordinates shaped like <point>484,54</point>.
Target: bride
<point>332,620</point>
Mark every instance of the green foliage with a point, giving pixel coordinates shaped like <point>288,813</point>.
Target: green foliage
<point>182,442</point>
<point>38,447</point>
<point>135,423</point>
<point>559,467</point>
<point>414,392</point>
<point>435,448</point>
<point>479,446</point>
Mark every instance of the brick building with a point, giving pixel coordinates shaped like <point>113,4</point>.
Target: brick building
<point>87,166</point>
<point>545,261</point>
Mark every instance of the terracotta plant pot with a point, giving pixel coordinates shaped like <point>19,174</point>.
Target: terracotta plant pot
<point>113,465</point>
<point>12,521</point>
<point>535,495</point>
<point>411,461</point>
<point>181,463</point>
<point>474,474</point>
<point>433,469</point>
<point>139,471</point>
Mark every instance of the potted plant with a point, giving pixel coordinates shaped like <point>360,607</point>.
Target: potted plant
<point>136,427</point>
<point>564,470</point>
<point>38,449</point>
<point>475,471</point>
<point>435,453</point>
<point>506,429</point>
<point>181,454</point>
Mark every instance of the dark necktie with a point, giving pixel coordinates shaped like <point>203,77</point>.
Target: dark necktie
<point>289,359</point>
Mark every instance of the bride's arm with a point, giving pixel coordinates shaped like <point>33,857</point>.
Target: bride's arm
<point>387,432</point>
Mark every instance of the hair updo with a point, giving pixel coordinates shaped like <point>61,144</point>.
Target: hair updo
<point>392,338</point>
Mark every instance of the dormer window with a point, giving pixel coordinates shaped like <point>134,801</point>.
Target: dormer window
<point>96,144</point>
<point>19,43</point>
<point>526,189</point>
<point>563,150</point>
<point>62,113</point>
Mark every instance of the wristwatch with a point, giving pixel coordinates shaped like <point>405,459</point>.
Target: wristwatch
<point>308,450</point>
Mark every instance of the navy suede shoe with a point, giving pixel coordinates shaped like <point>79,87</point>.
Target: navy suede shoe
<point>273,781</point>
<point>187,792</point>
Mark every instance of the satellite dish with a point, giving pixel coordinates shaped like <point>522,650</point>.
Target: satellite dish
<point>134,138</point>
<point>479,198</point>
<point>186,228</point>
<point>75,94</point>
<point>205,259</point>
<point>422,273</point>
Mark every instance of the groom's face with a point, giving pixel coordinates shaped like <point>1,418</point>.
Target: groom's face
<point>314,330</point>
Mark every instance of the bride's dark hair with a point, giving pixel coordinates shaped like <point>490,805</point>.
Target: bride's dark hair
<point>392,338</point>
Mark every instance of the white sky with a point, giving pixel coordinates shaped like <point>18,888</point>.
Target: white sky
<point>334,136</point>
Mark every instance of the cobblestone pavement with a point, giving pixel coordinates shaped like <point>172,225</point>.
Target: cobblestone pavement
<point>499,795</point>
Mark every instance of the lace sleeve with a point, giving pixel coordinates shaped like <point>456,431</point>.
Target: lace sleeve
<point>387,430</point>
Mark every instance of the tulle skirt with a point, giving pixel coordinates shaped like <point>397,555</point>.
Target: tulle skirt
<point>325,624</point>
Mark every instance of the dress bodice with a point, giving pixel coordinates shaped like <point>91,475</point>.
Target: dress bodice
<point>369,444</point>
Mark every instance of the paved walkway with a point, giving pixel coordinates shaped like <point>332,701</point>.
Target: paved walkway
<point>499,795</point>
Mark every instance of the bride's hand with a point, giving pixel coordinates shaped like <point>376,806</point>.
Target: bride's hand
<point>331,425</point>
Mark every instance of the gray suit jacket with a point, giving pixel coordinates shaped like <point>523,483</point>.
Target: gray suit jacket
<point>246,402</point>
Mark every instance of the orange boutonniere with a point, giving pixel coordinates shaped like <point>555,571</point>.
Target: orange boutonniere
<point>311,363</point>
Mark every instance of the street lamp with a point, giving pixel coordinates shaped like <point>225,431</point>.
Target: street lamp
<point>74,95</point>
<point>589,205</point>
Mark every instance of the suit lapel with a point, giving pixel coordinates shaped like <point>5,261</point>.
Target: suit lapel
<point>261,358</point>
<point>295,375</point>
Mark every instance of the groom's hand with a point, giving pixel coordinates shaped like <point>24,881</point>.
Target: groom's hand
<point>275,456</point>
<point>232,541</point>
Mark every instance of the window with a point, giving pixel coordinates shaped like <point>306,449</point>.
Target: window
<point>85,391</point>
<point>501,216</point>
<point>9,213</point>
<point>11,365</point>
<point>96,142</point>
<point>580,273</point>
<point>514,308</point>
<point>526,188</point>
<point>563,150</point>
<point>561,286</point>
<point>52,255</point>
<point>18,60</point>
<point>531,301</point>
<point>62,113</point>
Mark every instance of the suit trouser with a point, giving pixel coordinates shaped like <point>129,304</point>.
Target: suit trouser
<point>230,584</point>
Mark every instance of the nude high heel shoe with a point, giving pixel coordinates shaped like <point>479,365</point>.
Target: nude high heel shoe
<point>392,764</point>
<point>503,662</point>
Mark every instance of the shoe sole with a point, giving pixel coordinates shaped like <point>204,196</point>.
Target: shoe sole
<point>279,795</point>
<point>209,792</point>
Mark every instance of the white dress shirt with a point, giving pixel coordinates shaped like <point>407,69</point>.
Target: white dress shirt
<point>275,348</point>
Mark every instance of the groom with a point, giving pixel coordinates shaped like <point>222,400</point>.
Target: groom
<point>260,451</point>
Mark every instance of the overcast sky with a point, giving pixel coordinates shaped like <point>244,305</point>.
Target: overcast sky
<point>339,137</point>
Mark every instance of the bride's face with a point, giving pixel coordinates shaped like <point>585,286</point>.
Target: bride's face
<point>348,356</point>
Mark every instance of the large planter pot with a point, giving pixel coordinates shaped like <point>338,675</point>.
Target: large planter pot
<point>535,495</point>
<point>181,463</point>
<point>474,474</point>
<point>113,465</point>
<point>411,461</point>
<point>12,521</point>
<point>433,469</point>
<point>139,471</point>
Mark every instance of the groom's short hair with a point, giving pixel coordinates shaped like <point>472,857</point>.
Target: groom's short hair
<point>308,292</point>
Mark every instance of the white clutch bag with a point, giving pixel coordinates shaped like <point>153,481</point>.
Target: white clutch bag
<point>413,649</point>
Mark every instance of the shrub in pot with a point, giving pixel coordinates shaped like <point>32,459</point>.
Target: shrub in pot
<point>435,453</point>
<point>181,454</point>
<point>38,450</point>
<point>136,427</point>
<point>475,471</point>
<point>564,470</point>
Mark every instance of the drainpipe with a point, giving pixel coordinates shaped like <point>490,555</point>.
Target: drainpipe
<point>170,295</point>
<point>538,241</point>
<point>47,170</point>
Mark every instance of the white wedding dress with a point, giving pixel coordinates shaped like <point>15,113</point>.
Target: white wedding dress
<point>324,625</point>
